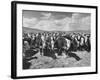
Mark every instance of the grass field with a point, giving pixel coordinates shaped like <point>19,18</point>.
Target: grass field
<point>46,62</point>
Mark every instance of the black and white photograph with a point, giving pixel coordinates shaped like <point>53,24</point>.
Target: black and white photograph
<point>56,39</point>
<point>52,39</point>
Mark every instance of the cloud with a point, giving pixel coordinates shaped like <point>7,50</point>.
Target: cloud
<point>86,23</point>
<point>46,15</point>
<point>77,21</point>
<point>29,22</point>
<point>63,23</point>
<point>80,21</point>
<point>45,25</point>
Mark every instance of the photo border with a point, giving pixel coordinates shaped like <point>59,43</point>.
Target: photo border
<point>14,38</point>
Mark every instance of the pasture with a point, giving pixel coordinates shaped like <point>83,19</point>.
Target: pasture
<point>43,62</point>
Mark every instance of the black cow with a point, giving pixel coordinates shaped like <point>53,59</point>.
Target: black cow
<point>61,45</point>
<point>28,56</point>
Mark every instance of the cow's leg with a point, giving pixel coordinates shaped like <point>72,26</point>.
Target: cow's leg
<point>41,52</point>
<point>70,54</point>
<point>60,51</point>
<point>53,54</point>
<point>66,52</point>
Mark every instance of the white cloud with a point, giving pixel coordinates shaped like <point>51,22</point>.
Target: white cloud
<point>76,22</point>
<point>45,25</point>
<point>29,22</point>
<point>80,22</point>
<point>86,23</point>
<point>63,23</point>
<point>46,15</point>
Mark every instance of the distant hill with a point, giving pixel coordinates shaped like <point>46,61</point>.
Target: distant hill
<point>31,30</point>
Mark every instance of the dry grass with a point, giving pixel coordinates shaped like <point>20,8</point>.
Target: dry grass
<point>47,62</point>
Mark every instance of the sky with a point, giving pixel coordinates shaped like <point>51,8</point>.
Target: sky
<point>59,21</point>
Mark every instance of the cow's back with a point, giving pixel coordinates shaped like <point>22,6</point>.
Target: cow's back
<point>60,42</point>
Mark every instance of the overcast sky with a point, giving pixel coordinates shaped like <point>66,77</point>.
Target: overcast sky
<point>61,21</point>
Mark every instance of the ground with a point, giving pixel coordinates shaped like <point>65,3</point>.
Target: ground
<point>47,62</point>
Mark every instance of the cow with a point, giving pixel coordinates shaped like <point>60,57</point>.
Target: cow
<point>63,45</point>
<point>88,44</point>
<point>55,44</point>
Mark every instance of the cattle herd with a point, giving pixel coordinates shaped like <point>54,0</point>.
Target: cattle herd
<point>54,44</point>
